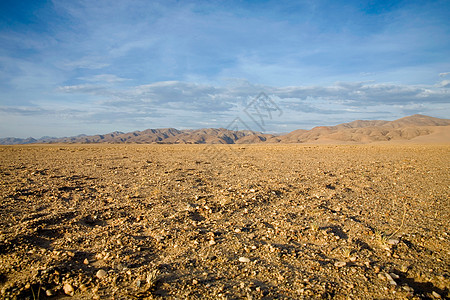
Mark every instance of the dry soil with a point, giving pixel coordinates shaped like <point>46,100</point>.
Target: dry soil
<point>224,222</point>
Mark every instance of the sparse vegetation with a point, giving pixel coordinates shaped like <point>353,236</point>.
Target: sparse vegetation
<point>380,237</point>
<point>347,252</point>
<point>314,226</point>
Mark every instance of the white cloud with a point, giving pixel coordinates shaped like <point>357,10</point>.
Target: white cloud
<point>191,105</point>
<point>222,99</point>
<point>444,84</point>
<point>82,89</point>
<point>129,59</point>
<point>108,78</point>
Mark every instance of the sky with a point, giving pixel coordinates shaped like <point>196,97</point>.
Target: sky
<point>72,67</point>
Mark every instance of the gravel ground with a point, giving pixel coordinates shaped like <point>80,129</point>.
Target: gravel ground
<point>224,222</point>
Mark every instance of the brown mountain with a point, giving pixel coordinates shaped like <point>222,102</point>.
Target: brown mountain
<point>360,131</point>
<point>418,128</point>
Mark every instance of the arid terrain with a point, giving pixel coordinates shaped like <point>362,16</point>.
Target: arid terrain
<point>415,129</point>
<point>255,221</point>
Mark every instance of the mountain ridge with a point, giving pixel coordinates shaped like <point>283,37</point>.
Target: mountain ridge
<point>358,131</point>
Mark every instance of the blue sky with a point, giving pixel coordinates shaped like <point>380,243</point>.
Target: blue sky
<point>70,67</point>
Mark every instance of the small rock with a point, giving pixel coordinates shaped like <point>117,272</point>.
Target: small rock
<point>394,276</point>
<point>86,261</point>
<point>408,288</point>
<point>68,289</point>
<point>393,241</point>
<point>101,273</point>
<point>212,242</point>
<point>390,279</point>
<point>244,259</point>
<point>49,293</point>
<point>340,264</point>
<point>194,281</point>
<point>436,295</point>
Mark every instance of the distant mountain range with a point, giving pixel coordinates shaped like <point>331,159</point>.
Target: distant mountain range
<point>418,128</point>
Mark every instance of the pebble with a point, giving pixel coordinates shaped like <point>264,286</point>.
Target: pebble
<point>212,242</point>
<point>68,289</point>
<point>49,293</point>
<point>101,273</point>
<point>394,276</point>
<point>393,241</point>
<point>86,261</point>
<point>340,264</point>
<point>408,288</point>
<point>390,279</point>
<point>436,295</point>
<point>244,259</point>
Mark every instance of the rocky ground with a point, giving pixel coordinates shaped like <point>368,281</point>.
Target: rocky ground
<point>224,222</point>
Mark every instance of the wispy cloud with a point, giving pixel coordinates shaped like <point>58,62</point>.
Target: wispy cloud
<point>93,63</point>
<point>108,78</point>
<point>230,99</point>
<point>133,64</point>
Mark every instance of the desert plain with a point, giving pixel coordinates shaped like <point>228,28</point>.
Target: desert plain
<point>254,221</point>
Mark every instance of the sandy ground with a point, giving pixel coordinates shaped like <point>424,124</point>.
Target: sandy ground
<point>224,222</point>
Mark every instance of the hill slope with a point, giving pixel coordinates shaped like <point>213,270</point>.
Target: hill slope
<point>359,131</point>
